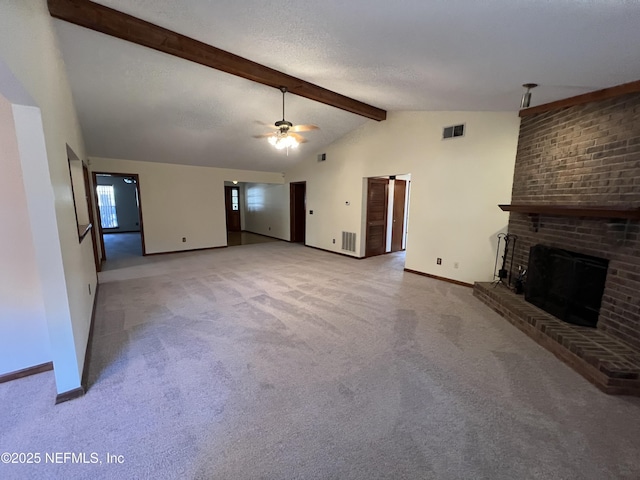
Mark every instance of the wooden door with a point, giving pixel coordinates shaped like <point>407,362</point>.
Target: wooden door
<point>377,204</point>
<point>397,230</point>
<point>298,211</point>
<point>232,204</point>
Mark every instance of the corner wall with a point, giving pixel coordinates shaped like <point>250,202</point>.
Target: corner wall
<point>24,340</point>
<point>456,185</point>
<point>29,50</point>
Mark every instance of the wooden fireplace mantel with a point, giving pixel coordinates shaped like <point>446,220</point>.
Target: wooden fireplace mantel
<point>592,211</point>
<point>589,211</point>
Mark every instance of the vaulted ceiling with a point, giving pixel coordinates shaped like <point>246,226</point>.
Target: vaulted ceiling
<point>141,104</point>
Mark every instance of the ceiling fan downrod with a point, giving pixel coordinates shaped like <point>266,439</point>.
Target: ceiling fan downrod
<point>283,122</point>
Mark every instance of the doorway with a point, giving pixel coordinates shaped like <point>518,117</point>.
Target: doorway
<point>92,222</point>
<point>232,206</point>
<point>120,226</point>
<point>398,215</point>
<point>298,211</point>
<point>386,214</point>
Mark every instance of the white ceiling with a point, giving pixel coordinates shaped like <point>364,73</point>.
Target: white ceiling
<point>139,104</point>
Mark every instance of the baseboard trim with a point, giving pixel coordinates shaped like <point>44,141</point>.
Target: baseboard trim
<point>69,395</point>
<point>443,279</point>
<point>183,251</point>
<point>336,253</point>
<point>26,372</point>
<point>84,382</point>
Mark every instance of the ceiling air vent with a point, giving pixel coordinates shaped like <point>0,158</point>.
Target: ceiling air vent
<point>454,131</point>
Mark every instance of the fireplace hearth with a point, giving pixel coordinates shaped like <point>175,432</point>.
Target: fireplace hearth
<point>566,284</point>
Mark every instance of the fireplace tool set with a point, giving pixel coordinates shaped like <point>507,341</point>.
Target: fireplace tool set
<point>502,274</point>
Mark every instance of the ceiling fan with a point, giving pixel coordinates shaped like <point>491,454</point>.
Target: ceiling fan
<point>287,135</point>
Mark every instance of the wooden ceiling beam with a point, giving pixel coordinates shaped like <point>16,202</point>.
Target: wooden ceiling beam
<point>126,27</point>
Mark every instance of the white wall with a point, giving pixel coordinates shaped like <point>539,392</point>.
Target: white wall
<point>456,186</point>
<point>24,340</point>
<point>29,52</point>
<point>267,210</point>
<point>181,201</point>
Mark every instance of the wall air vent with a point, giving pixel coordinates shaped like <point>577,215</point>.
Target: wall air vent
<point>454,131</point>
<point>349,241</point>
<point>322,157</point>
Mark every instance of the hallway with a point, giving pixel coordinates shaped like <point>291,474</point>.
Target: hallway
<point>235,239</point>
<point>122,250</point>
<point>125,249</point>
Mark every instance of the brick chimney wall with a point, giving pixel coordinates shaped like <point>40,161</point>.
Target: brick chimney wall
<point>586,155</point>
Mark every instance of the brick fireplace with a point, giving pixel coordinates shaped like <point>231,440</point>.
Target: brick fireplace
<point>584,157</point>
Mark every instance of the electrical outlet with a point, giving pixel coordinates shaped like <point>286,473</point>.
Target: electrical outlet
<point>334,240</point>
<point>455,265</point>
<point>439,261</point>
<point>269,228</point>
<point>184,239</point>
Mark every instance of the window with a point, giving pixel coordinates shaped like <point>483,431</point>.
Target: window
<point>235,204</point>
<point>107,204</point>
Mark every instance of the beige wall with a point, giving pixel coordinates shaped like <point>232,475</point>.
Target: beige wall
<point>29,49</point>
<point>24,340</point>
<point>266,208</point>
<point>182,201</point>
<point>456,185</point>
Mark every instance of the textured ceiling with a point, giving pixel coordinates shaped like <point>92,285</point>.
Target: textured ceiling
<point>139,104</point>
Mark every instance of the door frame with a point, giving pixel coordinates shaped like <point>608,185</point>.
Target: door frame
<point>393,218</point>
<point>136,177</point>
<point>388,217</point>
<point>87,192</point>
<point>293,238</point>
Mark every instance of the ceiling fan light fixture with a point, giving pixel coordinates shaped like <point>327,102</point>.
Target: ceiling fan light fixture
<point>283,141</point>
<point>287,134</point>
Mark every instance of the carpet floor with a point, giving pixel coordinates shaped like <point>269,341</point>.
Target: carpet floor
<point>276,361</point>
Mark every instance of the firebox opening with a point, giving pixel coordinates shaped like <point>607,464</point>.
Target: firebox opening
<point>566,284</point>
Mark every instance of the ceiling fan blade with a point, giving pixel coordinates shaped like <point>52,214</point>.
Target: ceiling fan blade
<point>269,125</point>
<point>299,138</point>
<point>264,135</point>
<point>303,128</point>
